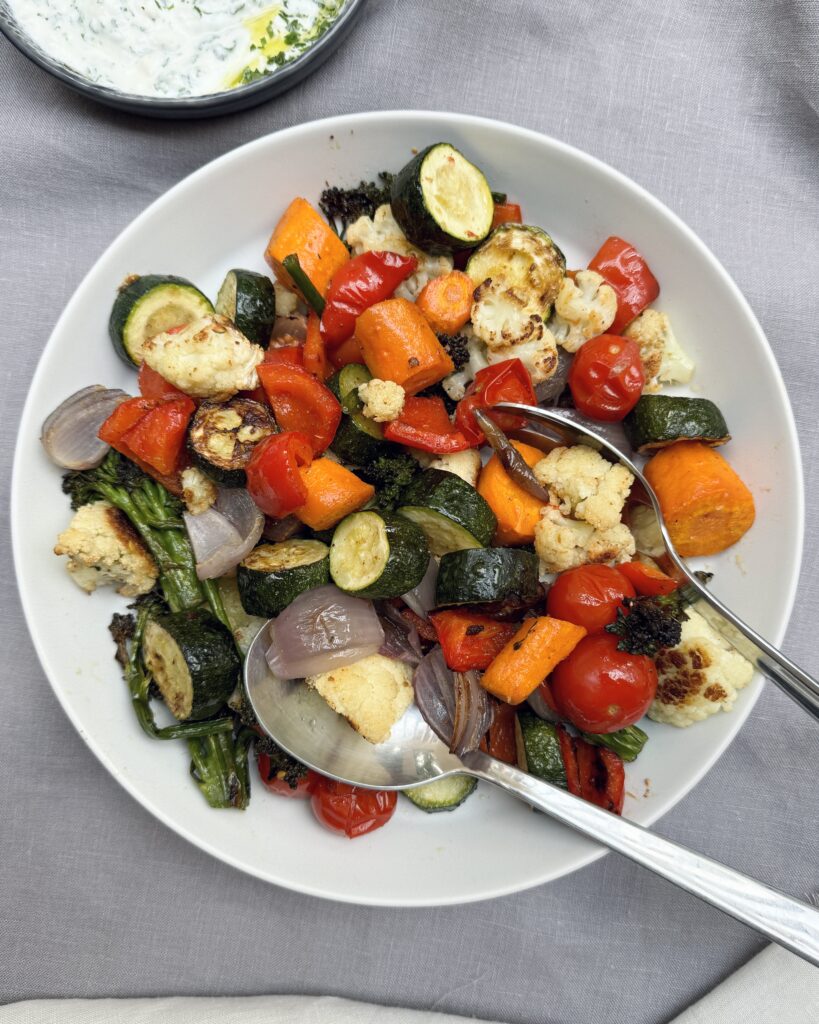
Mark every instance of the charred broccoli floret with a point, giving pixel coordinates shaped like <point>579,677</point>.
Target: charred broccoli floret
<point>457,348</point>
<point>651,624</point>
<point>343,206</point>
<point>390,474</point>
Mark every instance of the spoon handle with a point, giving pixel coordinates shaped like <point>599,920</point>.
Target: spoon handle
<point>788,921</point>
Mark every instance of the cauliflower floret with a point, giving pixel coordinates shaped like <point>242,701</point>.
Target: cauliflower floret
<point>664,360</point>
<point>287,302</point>
<point>383,399</point>
<point>466,465</point>
<point>102,547</point>
<point>584,308</point>
<point>456,383</point>
<point>563,543</point>
<point>698,677</point>
<point>538,355</point>
<point>583,484</point>
<point>382,232</point>
<point>199,492</point>
<point>644,525</point>
<point>206,359</point>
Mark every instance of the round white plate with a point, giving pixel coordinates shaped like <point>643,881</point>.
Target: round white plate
<point>221,217</point>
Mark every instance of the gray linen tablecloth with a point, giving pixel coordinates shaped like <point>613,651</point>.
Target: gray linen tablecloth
<point>714,107</point>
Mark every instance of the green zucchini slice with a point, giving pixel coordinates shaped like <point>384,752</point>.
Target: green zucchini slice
<point>442,794</point>
<point>249,300</point>
<point>657,421</point>
<point>358,439</point>
<point>442,201</point>
<point>485,575</point>
<point>377,555</point>
<point>345,382</point>
<point>222,436</point>
<point>273,575</point>
<point>449,510</point>
<point>147,306</point>
<point>539,748</point>
<point>192,659</point>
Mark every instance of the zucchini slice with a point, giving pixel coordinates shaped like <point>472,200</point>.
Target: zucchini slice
<point>248,299</point>
<point>358,439</point>
<point>192,659</point>
<point>442,201</point>
<point>442,794</point>
<point>147,306</point>
<point>539,748</point>
<point>273,575</point>
<point>485,575</point>
<point>344,385</point>
<point>377,555</point>
<point>222,436</point>
<point>449,510</point>
<point>657,421</point>
<point>243,626</point>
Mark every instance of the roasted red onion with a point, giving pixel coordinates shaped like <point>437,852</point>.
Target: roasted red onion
<point>224,534</point>
<point>289,329</point>
<point>69,434</point>
<point>422,598</point>
<point>549,391</point>
<point>401,639</point>
<point>322,629</point>
<point>453,704</point>
<point>510,458</point>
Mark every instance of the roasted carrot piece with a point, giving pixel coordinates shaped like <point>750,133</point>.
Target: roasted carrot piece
<point>516,511</point>
<point>333,492</point>
<point>315,355</point>
<point>446,302</point>
<point>399,345</point>
<point>706,506</point>
<point>348,351</point>
<point>532,653</point>
<point>302,231</point>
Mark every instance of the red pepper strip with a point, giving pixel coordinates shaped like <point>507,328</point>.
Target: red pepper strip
<point>506,213</point>
<point>357,285</point>
<point>501,736</point>
<point>292,354</point>
<point>159,437</point>
<point>508,381</point>
<point>315,355</point>
<point>424,627</point>
<point>348,351</point>
<point>153,385</point>
<point>273,478</point>
<point>627,272</point>
<point>596,774</point>
<point>301,402</point>
<point>123,419</point>
<point>646,580</point>
<point>471,641</point>
<point>425,424</point>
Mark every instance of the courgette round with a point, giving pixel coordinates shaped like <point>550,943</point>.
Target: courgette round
<point>192,659</point>
<point>485,575</point>
<point>358,439</point>
<point>449,510</point>
<point>377,555</point>
<point>273,575</point>
<point>222,436</point>
<point>149,305</point>
<point>657,421</point>
<point>249,300</point>
<point>442,201</point>
<point>442,794</point>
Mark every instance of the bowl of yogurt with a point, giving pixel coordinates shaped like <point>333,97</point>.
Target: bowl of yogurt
<point>178,58</point>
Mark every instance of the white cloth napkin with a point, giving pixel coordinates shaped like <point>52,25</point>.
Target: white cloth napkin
<point>775,987</point>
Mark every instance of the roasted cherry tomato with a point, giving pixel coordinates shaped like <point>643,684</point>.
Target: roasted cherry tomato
<point>357,285</point>
<point>351,810</point>
<point>424,424</point>
<point>508,381</point>
<point>276,783</point>
<point>600,689</point>
<point>301,402</point>
<point>627,272</point>
<point>588,596</point>
<point>273,478</point>
<point>606,377</point>
<point>648,581</point>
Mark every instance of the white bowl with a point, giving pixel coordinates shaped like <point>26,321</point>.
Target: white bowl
<point>221,217</point>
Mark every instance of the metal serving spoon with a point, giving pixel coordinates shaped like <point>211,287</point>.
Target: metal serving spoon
<point>794,681</point>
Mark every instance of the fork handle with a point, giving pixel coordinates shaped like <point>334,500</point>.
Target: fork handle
<point>787,921</point>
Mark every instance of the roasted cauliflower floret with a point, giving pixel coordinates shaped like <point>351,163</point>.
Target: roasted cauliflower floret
<point>538,355</point>
<point>699,677</point>
<point>584,308</point>
<point>456,383</point>
<point>562,543</point>
<point>383,399</point>
<point>581,483</point>
<point>209,358</point>
<point>381,232</point>
<point>103,548</point>
<point>466,465</point>
<point>199,492</point>
<point>664,360</point>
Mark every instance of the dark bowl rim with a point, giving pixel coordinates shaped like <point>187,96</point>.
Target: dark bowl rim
<point>275,80</point>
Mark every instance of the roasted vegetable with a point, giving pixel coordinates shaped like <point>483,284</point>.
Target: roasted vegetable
<point>343,206</point>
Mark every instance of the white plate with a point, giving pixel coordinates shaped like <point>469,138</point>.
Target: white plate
<point>221,217</point>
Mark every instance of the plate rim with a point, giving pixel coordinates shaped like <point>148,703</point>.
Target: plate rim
<point>408,117</point>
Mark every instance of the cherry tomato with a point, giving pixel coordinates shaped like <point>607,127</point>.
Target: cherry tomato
<point>588,596</point>
<point>301,402</point>
<point>508,381</point>
<point>622,267</point>
<point>648,581</point>
<point>351,810</point>
<point>273,478</point>
<point>606,377</point>
<point>276,784</point>
<point>600,689</point>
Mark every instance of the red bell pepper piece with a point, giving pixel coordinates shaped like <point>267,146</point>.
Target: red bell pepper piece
<point>596,774</point>
<point>125,416</point>
<point>315,355</point>
<point>301,402</point>
<point>159,437</point>
<point>425,424</point>
<point>359,284</point>
<point>273,478</point>
<point>508,381</point>
<point>292,354</point>
<point>506,213</point>
<point>646,580</point>
<point>627,272</point>
<point>471,641</point>
<point>153,385</point>
<point>501,739</point>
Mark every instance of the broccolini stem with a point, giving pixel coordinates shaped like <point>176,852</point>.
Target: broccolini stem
<point>219,766</point>
<point>214,599</point>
